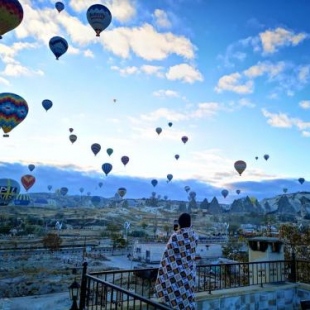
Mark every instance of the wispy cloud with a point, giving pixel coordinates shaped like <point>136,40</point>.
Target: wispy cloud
<point>282,120</point>
<point>272,40</point>
<point>166,93</point>
<point>305,104</point>
<point>233,82</point>
<point>161,19</point>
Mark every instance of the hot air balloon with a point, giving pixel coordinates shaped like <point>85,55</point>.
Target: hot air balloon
<point>169,177</point>
<point>187,188</point>
<point>284,190</point>
<point>72,138</point>
<point>238,191</point>
<point>28,180</point>
<point>81,190</point>
<point>59,6</point>
<point>224,193</point>
<point>256,157</point>
<point>49,187</point>
<point>176,156</point>
<point>88,193</point>
<point>154,182</point>
<point>31,167</point>
<point>96,147</point>
<point>106,168</point>
<point>184,139</point>
<point>9,189</point>
<point>158,130</point>
<point>266,156</point>
<point>71,129</point>
<point>125,160</point>
<point>95,200</point>
<point>13,110</point>
<point>169,124</point>
<point>64,191</point>
<point>253,200</point>
<point>11,15</point>
<point>22,200</point>
<point>99,17</point>
<point>301,180</point>
<point>58,46</point>
<point>240,166</point>
<point>47,104</point>
<point>122,192</point>
<point>109,151</point>
<point>100,184</point>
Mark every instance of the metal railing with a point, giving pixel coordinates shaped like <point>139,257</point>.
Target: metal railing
<point>135,289</point>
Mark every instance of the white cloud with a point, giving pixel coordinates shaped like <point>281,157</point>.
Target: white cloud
<point>146,42</point>
<point>277,120</point>
<point>14,69</point>
<point>262,68</point>
<point>89,53</point>
<point>273,39</point>
<point>185,73</point>
<point>152,70</point>
<point>122,10</point>
<point>161,19</point>
<point>305,104</point>
<point>4,81</point>
<point>166,93</point>
<point>282,120</point>
<point>127,70</point>
<point>303,73</point>
<point>233,83</point>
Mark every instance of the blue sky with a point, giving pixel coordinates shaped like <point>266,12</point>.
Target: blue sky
<point>232,76</point>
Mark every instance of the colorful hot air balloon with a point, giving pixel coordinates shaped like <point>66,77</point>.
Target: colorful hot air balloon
<point>301,180</point>
<point>100,184</point>
<point>224,193</point>
<point>31,167</point>
<point>22,200</point>
<point>13,110</point>
<point>266,156</point>
<point>109,151</point>
<point>96,147</point>
<point>240,166</point>
<point>176,156</point>
<point>122,192</point>
<point>58,46</point>
<point>9,189</point>
<point>169,177</point>
<point>187,188</point>
<point>154,182</point>
<point>95,200</point>
<point>11,15</point>
<point>27,181</point>
<point>169,124</point>
<point>64,191</point>
<point>106,168</point>
<point>238,191</point>
<point>125,160</point>
<point>158,130</point>
<point>184,139</point>
<point>72,138</point>
<point>47,104</point>
<point>99,17</point>
<point>59,6</point>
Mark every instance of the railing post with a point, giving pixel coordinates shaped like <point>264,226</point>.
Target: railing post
<point>83,287</point>
<point>293,267</point>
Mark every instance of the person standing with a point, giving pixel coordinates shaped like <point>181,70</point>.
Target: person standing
<point>175,282</point>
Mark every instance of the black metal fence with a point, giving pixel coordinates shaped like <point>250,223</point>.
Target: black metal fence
<point>134,289</point>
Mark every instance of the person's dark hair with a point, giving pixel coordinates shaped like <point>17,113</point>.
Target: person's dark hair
<point>184,220</point>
